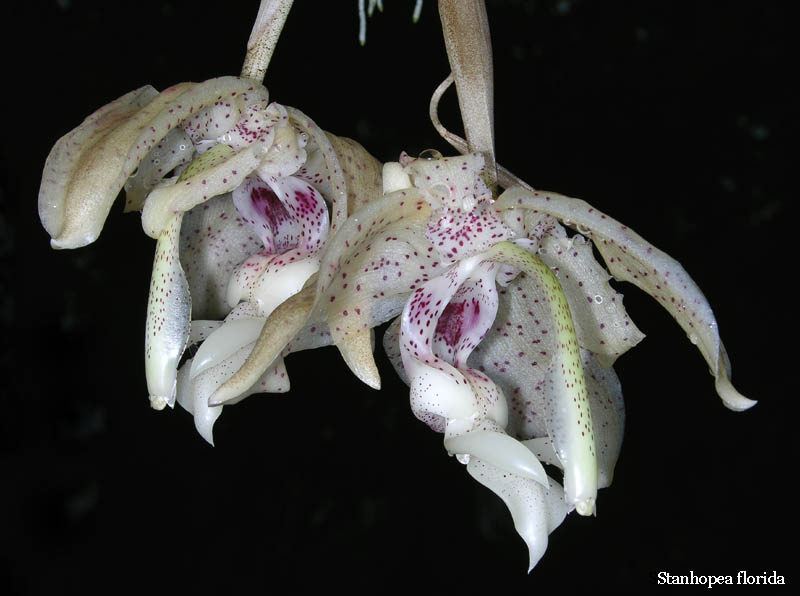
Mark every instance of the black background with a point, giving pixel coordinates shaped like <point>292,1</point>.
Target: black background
<point>673,117</point>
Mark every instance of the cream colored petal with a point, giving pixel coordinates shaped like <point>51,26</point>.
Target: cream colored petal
<point>631,258</point>
<point>280,327</point>
<point>168,315</point>
<point>83,188</point>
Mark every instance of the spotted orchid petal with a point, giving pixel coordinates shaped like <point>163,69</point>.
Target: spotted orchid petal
<point>61,208</point>
<point>221,171</point>
<point>441,325</point>
<point>336,187</point>
<point>215,239</point>
<point>439,392</point>
<point>292,218</point>
<point>169,308</point>
<point>631,258</point>
<point>89,166</point>
<point>601,322</point>
<point>568,414</point>
<point>608,415</point>
<point>346,175</point>
<point>168,316</point>
<point>375,260</point>
<point>442,322</point>
<point>465,222</point>
<point>608,420</point>
<point>536,509</point>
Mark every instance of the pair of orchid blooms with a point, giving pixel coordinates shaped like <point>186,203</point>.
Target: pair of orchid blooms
<point>273,236</point>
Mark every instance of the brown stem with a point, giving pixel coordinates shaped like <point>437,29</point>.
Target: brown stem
<point>469,50</point>
<point>264,37</point>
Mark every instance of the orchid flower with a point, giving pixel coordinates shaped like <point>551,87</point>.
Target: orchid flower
<point>273,236</point>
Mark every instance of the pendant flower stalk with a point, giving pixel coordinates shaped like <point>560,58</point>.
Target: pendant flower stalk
<point>274,236</point>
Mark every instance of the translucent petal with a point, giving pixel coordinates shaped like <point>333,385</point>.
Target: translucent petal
<point>567,412</point>
<point>601,323</point>
<point>168,316</point>
<point>89,166</point>
<point>215,238</point>
<point>174,150</point>
<point>631,258</point>
<point>536,510</point>
<point>375,260</point>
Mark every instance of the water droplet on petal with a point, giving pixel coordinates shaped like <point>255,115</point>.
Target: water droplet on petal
<point>598,299</point>
<point>430,154</point>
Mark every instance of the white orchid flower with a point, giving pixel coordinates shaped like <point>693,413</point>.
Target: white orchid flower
<point>274,236</point>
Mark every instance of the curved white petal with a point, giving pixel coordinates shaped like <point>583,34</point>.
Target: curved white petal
<point>168,317</point>
<point>631,258</point>
<point>536,510</point>
<point>225,341</point>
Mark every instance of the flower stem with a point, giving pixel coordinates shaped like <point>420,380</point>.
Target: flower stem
<point>264,37</point>
<point>469,50</point>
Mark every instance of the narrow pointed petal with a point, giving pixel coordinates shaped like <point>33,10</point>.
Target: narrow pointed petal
<point>535,510</point>
<point>168,315</point>
<point>372,264</point>
<point>631,258</point>
<point>568,413</point>
<point>280,327</point>
<point>356,350</point>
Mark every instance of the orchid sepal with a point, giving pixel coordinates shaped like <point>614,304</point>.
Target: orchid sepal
<point>89,166</point>
<point>168,317</point>
<point>631,258</point>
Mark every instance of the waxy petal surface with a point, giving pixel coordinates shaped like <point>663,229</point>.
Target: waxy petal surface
<point>174,150</point>
<point>168,317</point>
<point>601,323</point>
<point>215,239</point>
<point>382,248</point>
<point>631,258</point>
<point>107,154</point>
